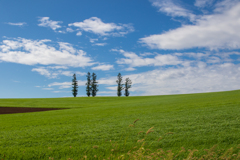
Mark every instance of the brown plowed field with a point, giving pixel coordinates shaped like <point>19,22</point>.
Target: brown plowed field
<point>10,110</point>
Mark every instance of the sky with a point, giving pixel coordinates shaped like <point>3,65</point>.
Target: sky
<point>164,46</point>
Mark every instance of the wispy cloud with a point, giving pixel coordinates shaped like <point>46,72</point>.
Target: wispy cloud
<point>172,9</point>
<point>63,85</point>
<point>16,24</point>
<point>47,88</point>
<point>97,26</point>
<point>104,67</point>
<point>203,3</point>
<point>99,44</point>
<point>46,22</point>
<point>133,60</point>
<point>93,40</point>
<point>209,31</point>
<point>55,72</point>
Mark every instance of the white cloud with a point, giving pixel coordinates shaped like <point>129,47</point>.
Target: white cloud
<point>57,67</point>
<point>146,54</point>
<point>219,30</point>
<point>172,9</point>
<point>130,69</point>
<point>69,30</point>
<point>44,72</point>
<point>224,5</point>
<point>47,88</point>
<point>63,85</point>
<point>32,52</point>
<point>203,3</point>
<point>214,60</point>
<point>46,22</point>
<point>104,67</point>
<point>92,40</point>
<point>96,26</point>
<point>79,33</point>
<point>17,24</point>
<point>54,72</point>
<point>134,60</point>
<point>99,44</point>
<point>199,72</point>
<point>63,46</point>
<point>190,79</point>
<point>61,91</point>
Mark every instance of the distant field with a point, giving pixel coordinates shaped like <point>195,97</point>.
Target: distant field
<point>198,121</point>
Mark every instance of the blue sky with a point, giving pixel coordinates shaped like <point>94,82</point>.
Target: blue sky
<point>163,46</point>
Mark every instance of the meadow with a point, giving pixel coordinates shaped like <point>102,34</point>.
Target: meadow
<point>102,127</point>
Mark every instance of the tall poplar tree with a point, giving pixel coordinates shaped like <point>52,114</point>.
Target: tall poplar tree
<point>74,85</point>
<point>120,85</point>
<point>94,84</point>
<point>88,84</point>
<point>128,84</point>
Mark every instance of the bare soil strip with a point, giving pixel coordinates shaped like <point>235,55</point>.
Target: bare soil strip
<point>10,110</point>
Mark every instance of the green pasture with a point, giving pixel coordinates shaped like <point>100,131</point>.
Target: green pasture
<point>197,121</point>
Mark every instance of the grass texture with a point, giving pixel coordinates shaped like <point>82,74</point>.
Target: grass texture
<point>102,127</point>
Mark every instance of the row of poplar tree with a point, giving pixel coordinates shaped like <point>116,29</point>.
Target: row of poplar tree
<point>92,87</point>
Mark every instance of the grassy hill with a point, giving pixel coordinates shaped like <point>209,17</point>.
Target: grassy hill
<point>197,121</point>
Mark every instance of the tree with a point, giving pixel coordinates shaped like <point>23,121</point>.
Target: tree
<point>75,85</point>
<point>89,87</point>
<point>128,85</point>
<point>94,85</point>
<point>120,85</point>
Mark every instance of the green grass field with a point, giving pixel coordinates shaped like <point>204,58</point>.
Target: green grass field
<point>198,121</point>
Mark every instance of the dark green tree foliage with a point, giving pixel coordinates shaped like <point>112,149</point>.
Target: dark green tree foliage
<point>94,85</point>
<point>75,85</point>
<point>120,85</point>
<point>89,85</point>
<point>128,84</point>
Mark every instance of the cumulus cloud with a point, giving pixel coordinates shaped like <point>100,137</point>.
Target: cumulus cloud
<point>172,9</point>
<point>97,26</point>
<point>104,67</point>
<point>197,72</point>
<point>16,24</point>
<point>181,80</point>
<point>188,79</point>
<point>217,31</point>
<point>32,52</point>
<point>204,73</point>
<point>46,22</point>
